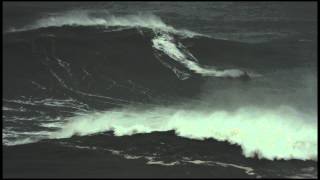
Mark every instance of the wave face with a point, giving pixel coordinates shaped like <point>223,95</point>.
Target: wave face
<point>79,73</point>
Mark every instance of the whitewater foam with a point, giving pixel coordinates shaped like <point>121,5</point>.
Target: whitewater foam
<point>280,133</point>
<point>175,50</point>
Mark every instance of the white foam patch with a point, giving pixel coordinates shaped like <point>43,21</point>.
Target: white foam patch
<point>248,170</point>
<point>127,156</point>
<point>20,109</point>
<point>165,43</point>
<point>52,124</point>
<point>12,137</point>
<point>161,163</point>
<point>280,133</point>
<point>19,141</point>
<point>83,18</point>
<point>198,162</point>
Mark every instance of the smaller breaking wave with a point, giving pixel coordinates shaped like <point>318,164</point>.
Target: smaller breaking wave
<point>279,133</point>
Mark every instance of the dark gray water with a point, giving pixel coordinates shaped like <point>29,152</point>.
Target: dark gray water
<point>193,89</point>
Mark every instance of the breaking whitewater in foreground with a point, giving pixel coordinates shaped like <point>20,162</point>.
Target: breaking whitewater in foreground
<point>88,96</point>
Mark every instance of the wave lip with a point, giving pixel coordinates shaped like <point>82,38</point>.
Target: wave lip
<point>84,18</point>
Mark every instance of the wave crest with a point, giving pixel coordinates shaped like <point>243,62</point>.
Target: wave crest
<point>86,18</point>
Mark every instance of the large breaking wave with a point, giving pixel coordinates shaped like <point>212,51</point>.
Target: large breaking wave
<point>163,42</point>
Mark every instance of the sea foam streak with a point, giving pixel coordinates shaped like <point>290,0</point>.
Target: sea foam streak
<point>272,134</point>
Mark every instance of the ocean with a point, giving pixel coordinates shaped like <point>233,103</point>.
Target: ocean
<point>160,89</point>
